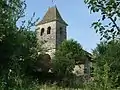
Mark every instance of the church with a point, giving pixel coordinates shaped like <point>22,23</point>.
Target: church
<point>52,29</point>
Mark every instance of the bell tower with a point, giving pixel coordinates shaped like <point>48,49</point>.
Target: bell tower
<point>52,30</point>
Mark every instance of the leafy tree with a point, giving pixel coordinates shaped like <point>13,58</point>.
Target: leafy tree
<point>18,45</point>
<point>9,14</point>
<point>66,56</point>
<point>108,54</point>
<point>108,24</point>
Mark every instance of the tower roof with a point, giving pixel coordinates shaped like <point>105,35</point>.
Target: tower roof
<point>52,15</point>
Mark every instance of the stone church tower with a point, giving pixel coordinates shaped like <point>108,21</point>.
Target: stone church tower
<point>52,30</point>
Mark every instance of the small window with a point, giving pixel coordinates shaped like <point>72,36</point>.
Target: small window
<point>48,30</point>
<point>42,31</point>
<point>60,30</point>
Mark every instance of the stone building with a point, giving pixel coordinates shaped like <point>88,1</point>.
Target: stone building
<point>52,30</point>
<point>82,67</point>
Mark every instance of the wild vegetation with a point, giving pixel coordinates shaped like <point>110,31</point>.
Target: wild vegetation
<point>19,55</point>
<point>106,55</point>
<point>67,54</point>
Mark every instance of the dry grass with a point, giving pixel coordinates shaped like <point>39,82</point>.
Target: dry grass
<point>52,87</point>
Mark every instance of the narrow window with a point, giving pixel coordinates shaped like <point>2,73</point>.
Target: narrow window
<point>42,31</point>
<point>60,30</point>
<point>48,30</point>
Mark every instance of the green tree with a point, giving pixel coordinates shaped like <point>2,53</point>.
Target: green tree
<point>66,56</point>
<point>10,13</point>
<point>108,54</point>
<point>18,45</point>
<point>108,24</point>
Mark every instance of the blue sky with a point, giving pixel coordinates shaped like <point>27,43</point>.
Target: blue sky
<point>75,13</point>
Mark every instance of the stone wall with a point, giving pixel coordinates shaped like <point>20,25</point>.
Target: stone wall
<point>54,39</point>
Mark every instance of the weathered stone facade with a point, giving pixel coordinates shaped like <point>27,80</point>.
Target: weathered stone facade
<point>52,30</point>
<point>83,68</point>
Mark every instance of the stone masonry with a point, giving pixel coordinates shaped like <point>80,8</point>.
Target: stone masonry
<point>52,30</point>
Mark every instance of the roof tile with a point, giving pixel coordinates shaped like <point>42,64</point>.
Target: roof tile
<point>52,15</point>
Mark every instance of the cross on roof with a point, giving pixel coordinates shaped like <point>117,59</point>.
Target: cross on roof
<point>53,2</point>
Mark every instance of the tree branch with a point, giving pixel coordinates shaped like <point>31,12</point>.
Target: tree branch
<point>114,23</point>
<point>110,18</point>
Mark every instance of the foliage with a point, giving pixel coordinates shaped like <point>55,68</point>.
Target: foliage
<point>107,61</point>
<point>65,57</point>
<point>108,24</point>
<point>18,45</point>
<point>19,49</point>
<point>106,55</point>
<point>100,80</point>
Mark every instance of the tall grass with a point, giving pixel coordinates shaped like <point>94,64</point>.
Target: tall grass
<point>100,82</point>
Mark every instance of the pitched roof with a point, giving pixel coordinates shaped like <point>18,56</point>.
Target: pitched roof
<point>52,15</point>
